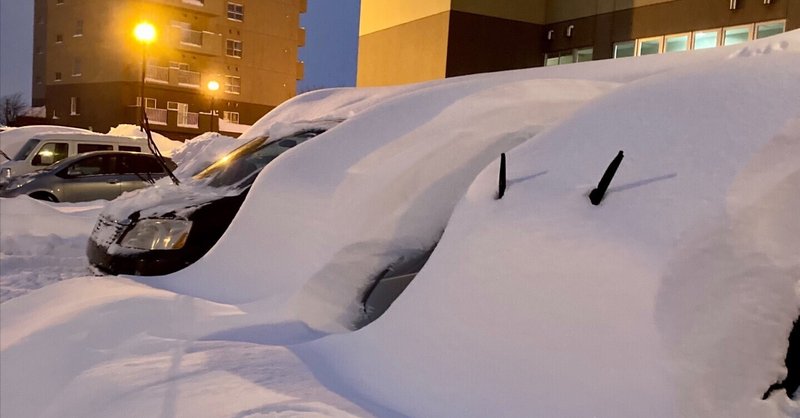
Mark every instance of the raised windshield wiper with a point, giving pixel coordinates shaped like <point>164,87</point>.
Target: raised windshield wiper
<point>154,149</point>
<point>5,155</point>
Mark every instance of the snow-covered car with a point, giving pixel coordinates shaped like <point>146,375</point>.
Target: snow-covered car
<point>163,229</point>
<point>89,176</point>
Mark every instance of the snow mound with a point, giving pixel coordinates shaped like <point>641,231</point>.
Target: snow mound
<point>198,153</point>
<point>164,144</point>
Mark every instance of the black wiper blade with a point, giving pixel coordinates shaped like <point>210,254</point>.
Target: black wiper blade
<point>154,149</point>
<point>5,155</point>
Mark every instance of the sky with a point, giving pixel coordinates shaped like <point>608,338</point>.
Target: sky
<point>330,54</point>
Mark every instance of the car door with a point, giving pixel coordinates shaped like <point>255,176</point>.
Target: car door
<point>137,171</point>
<point>91,178</point>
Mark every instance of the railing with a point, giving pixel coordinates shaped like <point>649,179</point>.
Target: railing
<point>157,74</point>
<point>156,116</point>
<point>189,78</point>
<point>188,119</point>
<point>191,37</point>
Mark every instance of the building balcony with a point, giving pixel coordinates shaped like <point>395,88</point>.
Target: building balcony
<point>156,116</point>
<point>172,76</point>
<point>207,7</point>
<point>188,120</point>
<point>195,41</point>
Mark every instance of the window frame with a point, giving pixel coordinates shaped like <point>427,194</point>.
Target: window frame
<point>240,13</point>
<point>688,36</point>
<point>641,41</point>
<point>695,33</point>
<point>233,88</point>
<point>232,51</point>
<point>750,33</point>
<point>767,22</point>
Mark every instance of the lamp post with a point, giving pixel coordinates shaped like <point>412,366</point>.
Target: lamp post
<point>145,33</point>
<point>213,86</point>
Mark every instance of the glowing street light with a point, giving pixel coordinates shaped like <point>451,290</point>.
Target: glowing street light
<point>145,34</point>
<point>212,86</point>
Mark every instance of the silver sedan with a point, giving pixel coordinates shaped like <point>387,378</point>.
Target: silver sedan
<point>89,176</point>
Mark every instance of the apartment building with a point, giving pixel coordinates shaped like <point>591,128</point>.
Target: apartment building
<point>87,63</point>
<point>416,40</point>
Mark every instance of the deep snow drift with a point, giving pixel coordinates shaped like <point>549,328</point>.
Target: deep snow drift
<point>673,297</point>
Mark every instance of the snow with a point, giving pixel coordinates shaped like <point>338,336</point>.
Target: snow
<point>673,297</point>
<point>164,144</point>
<point>199,152</point>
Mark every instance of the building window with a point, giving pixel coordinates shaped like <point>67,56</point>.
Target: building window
<point>73,106</point>
<point>235,12</point>
<point>649,46</point>
<point>38,79</point>
<point>624,49</point>
<point>58,75</point>
<point>59,2</point>
<point>78,28</point>
<point>676,43</point>
<point>232,117</point>
<point>584,54</point>
<point>179,65</point>
<point>233,48</point>
<point>766,29</point>
<point>76,67</point>
<point>706,39</point>
<point>149,103</point>
<point>173,105</point>
<point>736,35</point>
<point>59,38</point>
<point>233,84</point>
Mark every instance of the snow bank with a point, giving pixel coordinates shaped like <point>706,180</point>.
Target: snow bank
<point>42,242</point>
<point>164,144</point>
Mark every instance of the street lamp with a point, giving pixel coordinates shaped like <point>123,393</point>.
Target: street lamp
<point>213,86</point>
<point>145,33</point>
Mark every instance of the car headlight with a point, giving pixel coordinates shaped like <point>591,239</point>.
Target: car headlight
<point>157,234</point>
<point>17,183</point>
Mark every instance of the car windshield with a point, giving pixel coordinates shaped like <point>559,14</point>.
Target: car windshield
<point>26,149</point>
<point>240,167</point>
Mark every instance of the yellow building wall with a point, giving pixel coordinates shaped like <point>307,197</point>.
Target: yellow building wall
<point>407,53</point>
<point>377,15</point>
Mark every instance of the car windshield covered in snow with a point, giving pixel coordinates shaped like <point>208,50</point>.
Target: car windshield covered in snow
<point>240,167</point>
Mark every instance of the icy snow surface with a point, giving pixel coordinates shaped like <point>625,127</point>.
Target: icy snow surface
<point>672,298</point>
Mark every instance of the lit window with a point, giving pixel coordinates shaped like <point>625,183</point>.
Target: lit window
<point>706,39</point>
<point>624,49</point>
<point>737,35</point>
<point>565,58</point>
<point>73,106</point>
<point>583,54</point>
<point>232,117</point>
<point>235,11</point>
<point>550,60</point>
<point>233,48</point>
<point>233,84</point>
<point>79,28</point>
<point>764,30</point>
<point>649,46</point>
<point>676,43</point>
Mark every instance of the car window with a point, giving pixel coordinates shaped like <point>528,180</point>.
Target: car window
<point>26,149</point>
<point>130,148</point>
<point>94,147</point>
<point>51,152</point>
<point>92,166</point>
<point>241,165</point>
<point>131,164</point>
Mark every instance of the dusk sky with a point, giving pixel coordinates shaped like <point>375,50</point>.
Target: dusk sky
<point>330,53</point>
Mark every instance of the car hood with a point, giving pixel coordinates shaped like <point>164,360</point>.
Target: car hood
<point>165,199</point>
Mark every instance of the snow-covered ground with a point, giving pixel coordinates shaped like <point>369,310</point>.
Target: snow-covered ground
<point>674,297</point>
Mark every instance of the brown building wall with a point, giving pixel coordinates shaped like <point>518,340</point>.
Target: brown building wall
<point>479,43</point>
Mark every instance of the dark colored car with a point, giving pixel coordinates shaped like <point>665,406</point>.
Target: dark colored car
<point>164,229</point>
<point>89,176</point>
